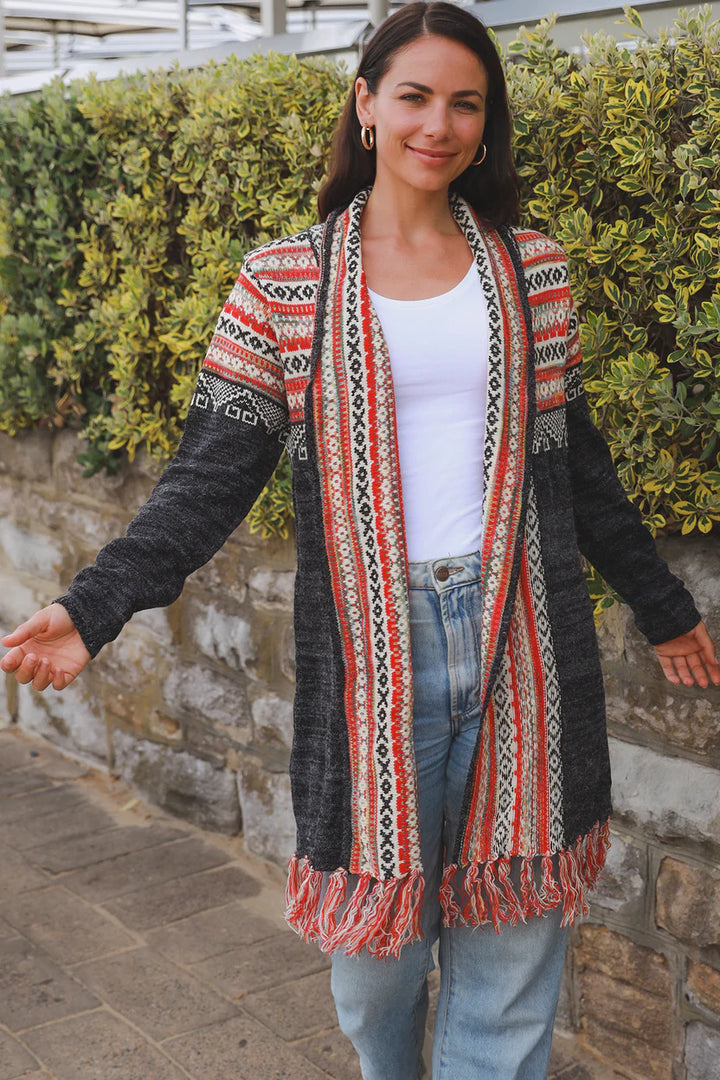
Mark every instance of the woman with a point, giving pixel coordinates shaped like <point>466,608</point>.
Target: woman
<point>418,356</point>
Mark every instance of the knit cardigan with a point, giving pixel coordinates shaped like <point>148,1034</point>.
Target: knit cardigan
<point>298,360</point>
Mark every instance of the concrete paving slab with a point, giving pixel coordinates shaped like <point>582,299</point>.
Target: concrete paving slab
<point>79,819</point>
<point>21,781</point>
<point>211,933</point>
<point>18,876</point>
<point>269,963</point>
<point>99,1046</point>
<point>154,994</point>
<point>140,869</point>
<point>165,903</point>
<point>295,1009</point>
<point>332,1052</point>
<point>39,804</point>
<point>65,926</point>
<point>6,930</point>
<point>14,753</point>
<point>34,989</point>
<point>80,851</point>
<point>15,1060</point>
<point>17,750</point>
<point>242,1049</point>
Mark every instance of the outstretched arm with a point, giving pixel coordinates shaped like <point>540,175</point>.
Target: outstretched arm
<point>612,536</point>
<point>233,438</point>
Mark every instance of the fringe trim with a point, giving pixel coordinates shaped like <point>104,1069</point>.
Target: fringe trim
<point>384,916</point>
<point>380,916</point>
<point>470,896</point>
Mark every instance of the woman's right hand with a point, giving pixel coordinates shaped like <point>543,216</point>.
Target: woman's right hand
<point>46,649</point>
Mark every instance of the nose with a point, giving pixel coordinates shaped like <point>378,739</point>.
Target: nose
<point>437,121</point>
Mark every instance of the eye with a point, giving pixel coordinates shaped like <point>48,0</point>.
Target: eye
<point>412,97</point>
<point>468,106</point>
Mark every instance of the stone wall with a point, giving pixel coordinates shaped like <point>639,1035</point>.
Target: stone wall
<point>192,706</point>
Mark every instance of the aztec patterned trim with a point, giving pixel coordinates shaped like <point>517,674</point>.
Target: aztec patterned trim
<point>355,437</point>
<point>239,403</point>
<point>380,916</point>
<point>486,893</point>
<point>550,430</point>
<point>509,415</point>
<point>517,807</point>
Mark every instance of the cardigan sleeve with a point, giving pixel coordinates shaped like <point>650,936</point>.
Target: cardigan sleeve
<point>609,527</point>
<point>233,437</point>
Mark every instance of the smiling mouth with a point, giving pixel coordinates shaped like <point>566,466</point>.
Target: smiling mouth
<point>436,155</point>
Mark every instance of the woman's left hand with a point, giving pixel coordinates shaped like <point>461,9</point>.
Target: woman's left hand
<point>690,658</point>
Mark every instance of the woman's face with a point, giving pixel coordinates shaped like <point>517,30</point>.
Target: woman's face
<point>428,112</point>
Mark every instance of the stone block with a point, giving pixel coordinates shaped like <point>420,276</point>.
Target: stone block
<point>29,551</point>
<point>688,718</point>
<point>165,903</point>
<point>621,885</point>
<point>598,949</point>
<point>295,1009</point>
<point>34,989</point>
<point>211,933</point>
<point>98,1046</point>
<point>182,784</point>
<point>129,488</point>
<point>15,1061</point>
<point>26,456</point>
<point>73,719</point>
<point>272,588</point>
<point>702,987</point>
<point>222,635</point>
<point>626,1002</point>
<point>702,1052</point>
<point>630,1058</point>
<point>20,598</point>
<point>265,802</point>
<point>688,902</point>
<point>217,700</point>
<point>667,797</point>
<point>239,1048</point>
<point>277,960</point>
<point>156,996</point>
<point>65,926</point>
<point>273,721</point>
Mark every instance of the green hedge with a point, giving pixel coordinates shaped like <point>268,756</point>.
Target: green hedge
<point>126,208</point>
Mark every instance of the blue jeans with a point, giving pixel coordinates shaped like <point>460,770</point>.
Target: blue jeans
<point>498,991</point>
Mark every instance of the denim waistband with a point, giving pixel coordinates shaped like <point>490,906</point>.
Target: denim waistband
<point>444,574</point>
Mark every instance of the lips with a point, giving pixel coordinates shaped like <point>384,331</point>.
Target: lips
<point>437,157</point>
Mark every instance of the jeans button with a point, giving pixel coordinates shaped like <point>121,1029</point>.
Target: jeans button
<point>442,573</point>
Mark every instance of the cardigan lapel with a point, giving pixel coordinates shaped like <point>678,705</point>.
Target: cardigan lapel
<point>356,437</point>
<point>508,425</point>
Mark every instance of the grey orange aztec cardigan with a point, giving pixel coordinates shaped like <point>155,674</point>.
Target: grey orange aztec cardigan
<point>298,360</point>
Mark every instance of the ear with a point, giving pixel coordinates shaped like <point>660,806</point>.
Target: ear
<point>363,103</point>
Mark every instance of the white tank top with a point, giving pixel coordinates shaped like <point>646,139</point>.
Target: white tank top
<point>439,356</point>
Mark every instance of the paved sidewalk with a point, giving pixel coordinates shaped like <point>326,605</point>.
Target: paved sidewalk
<point>136,947</point>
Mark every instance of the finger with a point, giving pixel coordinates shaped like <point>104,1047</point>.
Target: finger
<point>683,670</point>
<point>34,625</point>
<point>43,674</point>
<point>26,672</point>
<point>694,662</point>
<point>668,670</point>
<point>11,661</point>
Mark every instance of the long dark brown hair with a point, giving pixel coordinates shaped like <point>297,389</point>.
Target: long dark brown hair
<point>492,188</point>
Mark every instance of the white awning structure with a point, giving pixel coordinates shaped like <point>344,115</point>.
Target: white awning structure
<point>42,39</point>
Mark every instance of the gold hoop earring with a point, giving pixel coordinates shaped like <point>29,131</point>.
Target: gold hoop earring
<point>367,137</point>
<point>484,153</point>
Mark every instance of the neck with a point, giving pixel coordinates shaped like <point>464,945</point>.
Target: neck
<point>396,210</point>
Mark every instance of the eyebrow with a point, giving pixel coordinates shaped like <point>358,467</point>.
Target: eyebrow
<point>429,90</point>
